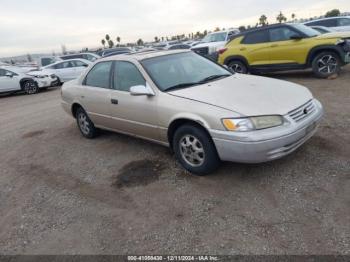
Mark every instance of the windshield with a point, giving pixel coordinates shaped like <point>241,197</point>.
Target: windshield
<point>310,32</point>
<point>217,37</point>
<point>182,70</point>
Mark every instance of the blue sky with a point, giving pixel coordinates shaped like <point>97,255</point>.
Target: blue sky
<point>42,26</point>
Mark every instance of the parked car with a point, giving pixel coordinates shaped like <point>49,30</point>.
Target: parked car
<point>122,52</point>
<point>87,56</point>
<point>323,29</point>
<point>179,46</point>
<point>341,23</point>
<point>64,70</point>
<point>199,109</point>
<point>117,50</point>
<point>212,43</point>
<point>47,60</point>
<point>15,79</point>
<point>287,47</point>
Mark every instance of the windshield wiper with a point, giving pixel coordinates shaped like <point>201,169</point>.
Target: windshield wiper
<point>183,85</point>
<point>213,77</point>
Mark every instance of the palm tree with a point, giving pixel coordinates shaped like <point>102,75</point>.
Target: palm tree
<point>103,43</point>
<point>156,39</point>
<point>108,37</point>
<point>281,18</point>
<point>293,17</point>
<point>118,40</point>
<point>139,42</point>
<point>263,20</point>
<point>110,43</point>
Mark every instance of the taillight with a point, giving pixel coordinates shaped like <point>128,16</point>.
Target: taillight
<point>222,50</point>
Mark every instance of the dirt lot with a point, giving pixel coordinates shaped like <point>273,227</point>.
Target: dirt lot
<point>63,194</point>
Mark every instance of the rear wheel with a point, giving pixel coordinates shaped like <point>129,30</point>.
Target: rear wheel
<point>195,150</point>
<point>30,87</point>
<point>326,64</point>
<point>86,126</point>
<point>238,67</point>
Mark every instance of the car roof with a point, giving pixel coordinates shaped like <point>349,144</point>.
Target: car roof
<point>70,60</point>
<point>326,18</point>
<point>139,56</point>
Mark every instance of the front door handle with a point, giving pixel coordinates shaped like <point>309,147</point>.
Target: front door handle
<point>243,49</point>
<point>114,101</point>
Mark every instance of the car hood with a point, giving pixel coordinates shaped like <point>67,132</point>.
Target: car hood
<point>249,95</point>
<point>334,35</point>
<point>210,44</point>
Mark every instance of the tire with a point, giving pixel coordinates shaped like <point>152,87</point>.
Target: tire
<point>326,64</point>
<point>195,150</point>
<point>86,126</point>
<point>238,67</point>
<point>30,87</point>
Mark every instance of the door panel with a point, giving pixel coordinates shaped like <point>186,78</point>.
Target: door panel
<point>96,101</point>
<point>135,115</point>
<point>8,83</point>
<point>284,50</point>
<point>255,47</point>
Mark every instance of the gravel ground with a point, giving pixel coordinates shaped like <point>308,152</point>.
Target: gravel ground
<point>63,194</point>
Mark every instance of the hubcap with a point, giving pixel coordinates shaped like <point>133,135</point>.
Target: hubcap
<point>192,150</point>
<point>30,87</point>
<point>237,68</point>
<point>84,124</point>
<point>327,64</point>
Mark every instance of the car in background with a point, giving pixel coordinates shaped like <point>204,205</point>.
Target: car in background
<point>212,43</point>
<point>179,46</point>
<point>203,112</point>
<point>87,56</point>
<point>15,79</point>
<point>64,70</point>
<point>340,24</point>
<point>114,51</point>
<point>47,60</point>
<point>323,29</point>
<point>287,47</point>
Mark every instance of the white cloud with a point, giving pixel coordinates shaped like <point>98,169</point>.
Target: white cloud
<point>42,26</point>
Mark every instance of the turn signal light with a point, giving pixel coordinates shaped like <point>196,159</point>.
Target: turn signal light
<point>222,50</point>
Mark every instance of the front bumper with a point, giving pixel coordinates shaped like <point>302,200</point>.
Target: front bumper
<point>266,145</point>
<point>347,58</point>
<point>47,81</point>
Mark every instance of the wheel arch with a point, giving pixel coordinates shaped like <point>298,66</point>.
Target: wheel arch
<point>25,79</point>
<point>319,49</point>
<point>236,57</point>
<point>178,122</point>
<point>75,107</point>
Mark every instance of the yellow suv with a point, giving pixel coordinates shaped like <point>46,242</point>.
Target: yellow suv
<point>286,47</point>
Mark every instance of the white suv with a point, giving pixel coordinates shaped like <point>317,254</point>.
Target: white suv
<point>340,24</point>
<point>212,43</point>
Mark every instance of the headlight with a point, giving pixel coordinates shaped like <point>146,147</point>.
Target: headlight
<point>252,123</point>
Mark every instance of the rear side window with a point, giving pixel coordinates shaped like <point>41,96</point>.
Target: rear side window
<point>344,22</point>
<point>2,72</point>
<point>99,75</point>
<point>326,23</point>
<point>127,75</point>
<point>256,37</point>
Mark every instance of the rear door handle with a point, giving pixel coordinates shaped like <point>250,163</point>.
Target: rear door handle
<point>275,45</point>
<point>243,49</point>
<point>114,101</point>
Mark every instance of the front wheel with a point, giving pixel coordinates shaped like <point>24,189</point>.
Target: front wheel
<point>195,150</point>
<point>238,67</point>
<point>326,64</point>
<point>30,87</point>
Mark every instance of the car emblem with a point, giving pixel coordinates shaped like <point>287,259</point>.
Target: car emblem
<point>306,111</point>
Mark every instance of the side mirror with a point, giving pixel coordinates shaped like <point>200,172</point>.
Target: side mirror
<point>8,74</point>
<point>296,37</point>
<point>141,91</point>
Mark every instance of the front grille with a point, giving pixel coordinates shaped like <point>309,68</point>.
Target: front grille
<point>303,111</point>
<point>201,50</point>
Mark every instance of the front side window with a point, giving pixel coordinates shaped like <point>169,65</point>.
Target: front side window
<point>256,37</point>
<point>182,70</point>
<point>281,34</point>
<point>326,23</point>
<point>99,75</point>
<point>80,64</point>
<point>126,75</point>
